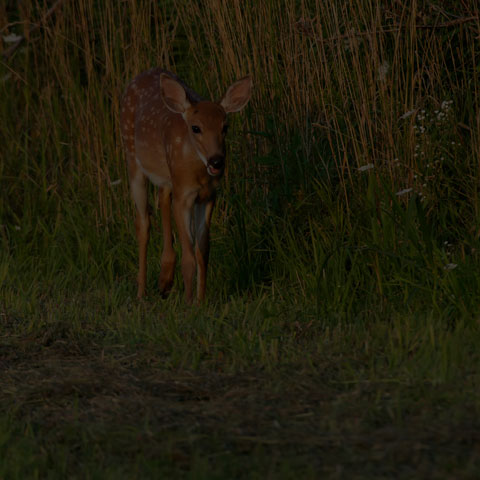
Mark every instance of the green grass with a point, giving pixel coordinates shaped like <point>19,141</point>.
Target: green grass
<point>240,390</point>
<point>340,334</point>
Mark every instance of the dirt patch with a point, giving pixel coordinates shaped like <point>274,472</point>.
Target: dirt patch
<point>306,416</point>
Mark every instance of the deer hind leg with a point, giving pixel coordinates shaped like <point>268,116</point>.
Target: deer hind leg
<point>138,188</point>
<point>203,214</point>
<point>168,254</point>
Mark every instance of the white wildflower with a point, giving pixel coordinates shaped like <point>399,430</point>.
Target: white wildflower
<point>115,182</point>
<point>366,167</point>
<point>403,192</point>
<point>407,114</point>
<point>450,266</point>
<point>383,70</point>
<point>446,105</point>
<point>12,38</point>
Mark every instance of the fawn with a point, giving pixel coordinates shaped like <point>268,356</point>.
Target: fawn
<point>176,139</point>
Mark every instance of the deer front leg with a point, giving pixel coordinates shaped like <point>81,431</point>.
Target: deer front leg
<point>203,214</point>
<point>182,211</point>
<point>168,255</point>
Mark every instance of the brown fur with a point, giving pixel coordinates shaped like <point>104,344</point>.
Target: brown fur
<point>177,140</point>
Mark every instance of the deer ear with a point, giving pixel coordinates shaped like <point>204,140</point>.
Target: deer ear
<point>173,94</point>
<point>237,95</point>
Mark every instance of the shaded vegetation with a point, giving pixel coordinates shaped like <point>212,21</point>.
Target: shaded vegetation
<point>339,338</point>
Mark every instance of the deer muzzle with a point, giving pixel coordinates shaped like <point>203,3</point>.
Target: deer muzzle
<point>215,165</point>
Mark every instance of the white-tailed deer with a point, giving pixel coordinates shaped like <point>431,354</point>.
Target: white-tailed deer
<point>177,140</point>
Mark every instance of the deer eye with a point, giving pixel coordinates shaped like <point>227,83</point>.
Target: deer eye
<point>196,129</point>
<point>225,129</point>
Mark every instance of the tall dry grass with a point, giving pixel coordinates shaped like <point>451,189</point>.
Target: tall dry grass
<point>345,80</point>
<point>344,72</point>
<point>339,75</point>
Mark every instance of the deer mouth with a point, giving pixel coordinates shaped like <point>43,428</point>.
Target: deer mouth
<point>213,172</point>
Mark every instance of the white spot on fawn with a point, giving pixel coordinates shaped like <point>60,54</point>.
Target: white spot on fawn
<point>185,149</point>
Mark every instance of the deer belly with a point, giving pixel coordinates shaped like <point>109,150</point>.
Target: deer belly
<point>159,175</point>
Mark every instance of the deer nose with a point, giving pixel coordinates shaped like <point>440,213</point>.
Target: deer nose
<point>217,161</point>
